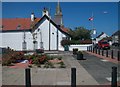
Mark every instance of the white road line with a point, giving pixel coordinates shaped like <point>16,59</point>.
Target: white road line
<point>110,79</point>
<point>104,60</point>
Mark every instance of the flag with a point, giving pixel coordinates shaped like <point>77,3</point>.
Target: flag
<point>91,19</point>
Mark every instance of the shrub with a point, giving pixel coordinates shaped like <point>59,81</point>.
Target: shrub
<point>59,58</point>
<point>35,60</point>
<point>30,66</point>
<point>65,42</point>
<point>11,56</point>
<point>43,59</point>
<point>75,50</point>
<point>79,52</point>
<point>38,65</point>
<point>62,65</point>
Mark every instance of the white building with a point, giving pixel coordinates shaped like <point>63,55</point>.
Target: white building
<point>115,37</point>
<point>33,33</point>
<point>100,37</point>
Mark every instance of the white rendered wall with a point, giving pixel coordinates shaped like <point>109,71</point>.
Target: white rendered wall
<point>44,28</point>
<point>80,47</point>
<point>60,35</point>
<point>29,41</point>
<point>12,40</point>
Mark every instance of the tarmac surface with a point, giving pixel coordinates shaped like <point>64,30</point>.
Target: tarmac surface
<point>99,68</point>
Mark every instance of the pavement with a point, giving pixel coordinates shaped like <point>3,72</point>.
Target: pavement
<point>92,71</point>
<point>16,76</point>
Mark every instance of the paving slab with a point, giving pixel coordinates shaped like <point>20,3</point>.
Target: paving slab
<point>49,76</point>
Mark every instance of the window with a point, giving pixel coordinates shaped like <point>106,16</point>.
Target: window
<point>41,45</point>
<point>35,45</point>
<point>64,38</point>
<point>24,45</point>
<point>18,27</point>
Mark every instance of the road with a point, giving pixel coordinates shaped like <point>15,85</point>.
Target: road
<point>98,68</point>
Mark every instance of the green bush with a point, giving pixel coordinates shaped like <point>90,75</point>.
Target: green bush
<point>59,58</point>
<point>79,52</point>
<point>62,65</point>
<point>75,50</point>
<point>65,42</point>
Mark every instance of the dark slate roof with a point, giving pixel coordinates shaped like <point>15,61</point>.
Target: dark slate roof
<point>116,33</point>
<point>100,35</point>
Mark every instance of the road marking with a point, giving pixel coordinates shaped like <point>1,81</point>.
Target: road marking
<point>110,79</point>
<point>104,60</point>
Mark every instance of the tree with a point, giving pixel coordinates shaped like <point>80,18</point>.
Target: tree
<point>80,33</point>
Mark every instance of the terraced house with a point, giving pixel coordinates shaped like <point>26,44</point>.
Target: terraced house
<point>34,33</point>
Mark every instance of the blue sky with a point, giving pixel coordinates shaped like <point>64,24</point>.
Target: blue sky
<point>74,13</point>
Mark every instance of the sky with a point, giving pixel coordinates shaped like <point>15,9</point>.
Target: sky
<point>75,14</point>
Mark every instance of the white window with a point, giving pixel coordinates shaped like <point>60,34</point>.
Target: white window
<point>35,45</point>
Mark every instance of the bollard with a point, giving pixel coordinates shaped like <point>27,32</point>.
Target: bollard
<point>114,77</point>
<point>102,52</point>
<point>27,77</point>
<point>118,55</point>
<point>73,77</point>
<point>98,51</point>
<point>106,53</point>
<point>88,48</point>
<point>93,50</point>
<point>112,54</point>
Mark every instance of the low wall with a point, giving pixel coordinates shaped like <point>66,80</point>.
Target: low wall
<point>80,47</point>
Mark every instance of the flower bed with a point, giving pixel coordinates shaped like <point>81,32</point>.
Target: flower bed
<point>45,61</point>
<point>35,60</point>
<point>11,56</point>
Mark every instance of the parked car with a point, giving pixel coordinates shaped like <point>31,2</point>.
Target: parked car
<point>103,45</point>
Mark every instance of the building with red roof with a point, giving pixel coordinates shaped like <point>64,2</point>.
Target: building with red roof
<point>34,33</point>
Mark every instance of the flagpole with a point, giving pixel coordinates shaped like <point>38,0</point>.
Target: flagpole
<point>92,22</point>
<point>92,27</point>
